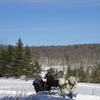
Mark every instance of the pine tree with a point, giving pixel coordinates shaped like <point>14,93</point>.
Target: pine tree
<point>98,72</point>
<point>3,62</point>
<point>52,71</point>
<point>60,74</point>
<point>95,75</point>
<point>9,58</point>
<point>17,60</point>
<point>27,61</point>
<point>74,72</point>
<point>35,68</point>
<point>88,75</point>
<point>69,72</point>
<point>82,75</point>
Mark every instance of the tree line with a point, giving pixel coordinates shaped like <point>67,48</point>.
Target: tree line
<point>83,75</point>
<point>17,61</point>
<point>22,60</point>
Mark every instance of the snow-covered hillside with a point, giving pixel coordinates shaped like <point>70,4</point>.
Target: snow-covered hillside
<point>17,89</point>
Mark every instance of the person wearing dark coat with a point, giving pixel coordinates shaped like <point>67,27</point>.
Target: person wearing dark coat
<point>41,84</point>
<point>50,80</point>
<point>36,84</point>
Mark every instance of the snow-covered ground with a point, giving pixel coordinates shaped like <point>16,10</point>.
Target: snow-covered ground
<point>17,89</point>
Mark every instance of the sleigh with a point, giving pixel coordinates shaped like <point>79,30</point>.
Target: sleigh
<point>61,84</point>
<point>44,86</point>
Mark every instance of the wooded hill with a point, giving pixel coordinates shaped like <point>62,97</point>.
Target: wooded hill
<point>82,61</point>
<point>60,57</point>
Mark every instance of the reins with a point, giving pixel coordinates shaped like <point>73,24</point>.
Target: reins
<point>69,82</point>
<point>63,84</point>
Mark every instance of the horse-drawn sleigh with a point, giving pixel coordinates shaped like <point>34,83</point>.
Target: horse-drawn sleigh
<point>62,84</point>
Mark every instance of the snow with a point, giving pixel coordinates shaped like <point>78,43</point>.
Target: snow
<point>18,89</point>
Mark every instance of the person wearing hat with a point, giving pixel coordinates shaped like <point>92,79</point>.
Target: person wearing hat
<point>50,80</point>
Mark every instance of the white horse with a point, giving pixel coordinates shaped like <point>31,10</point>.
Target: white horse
<point>68,84</point>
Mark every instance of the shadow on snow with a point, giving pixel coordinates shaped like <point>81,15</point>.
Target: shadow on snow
<point>45,95</point>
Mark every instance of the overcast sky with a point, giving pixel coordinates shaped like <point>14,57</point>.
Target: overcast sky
<point>49,22</point>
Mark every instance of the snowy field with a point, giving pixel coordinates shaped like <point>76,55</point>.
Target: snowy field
<point>17,89</point>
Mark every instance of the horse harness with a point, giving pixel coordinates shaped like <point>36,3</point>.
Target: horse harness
<point>69,82</point>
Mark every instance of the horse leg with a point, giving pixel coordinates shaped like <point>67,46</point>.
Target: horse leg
<point>62,92</point>
<point>70,95</point>
<point>70,92</point>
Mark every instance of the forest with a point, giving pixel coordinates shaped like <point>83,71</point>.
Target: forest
<point>81,60</point>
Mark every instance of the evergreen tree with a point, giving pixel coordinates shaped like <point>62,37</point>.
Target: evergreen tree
<point>56,74</point>
<point>17,60</point>
<point>95,75</point>
<point>88,75</point>
<point>3,62</point>
<point>35,68</point>
<point>98,73</point>
<point>82,75</point>
<point>60,74</point>
<point>69,72</point>
<point>52,71</point>
<point>0,63</point>
<point>74,72</point>
<point>9,58</point>
<point>27,61</point>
